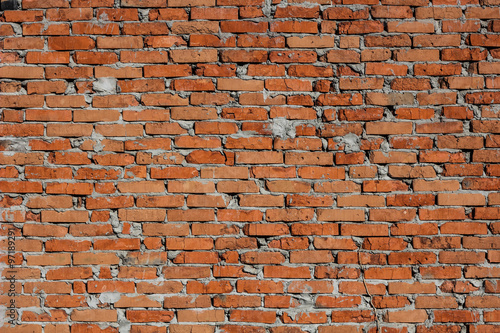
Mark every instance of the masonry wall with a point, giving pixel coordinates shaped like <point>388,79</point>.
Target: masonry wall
<point>199,166</point>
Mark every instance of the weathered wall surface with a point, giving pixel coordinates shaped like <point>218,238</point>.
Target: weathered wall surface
<point>251,165</point>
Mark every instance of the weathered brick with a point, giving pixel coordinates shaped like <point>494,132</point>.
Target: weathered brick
<point>242,147</point>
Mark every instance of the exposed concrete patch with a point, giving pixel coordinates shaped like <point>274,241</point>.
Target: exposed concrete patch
<point>283,128</point>
<point>351,142</point>
<point>105,85</point>
<point>109,297</point>
<point>15,144</point>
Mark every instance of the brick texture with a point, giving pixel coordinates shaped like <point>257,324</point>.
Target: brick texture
<point>250,166</point>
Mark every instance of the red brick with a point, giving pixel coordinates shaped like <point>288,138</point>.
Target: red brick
<point>226,202</point>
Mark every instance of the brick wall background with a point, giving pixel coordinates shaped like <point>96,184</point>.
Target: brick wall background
<point>199,166</point>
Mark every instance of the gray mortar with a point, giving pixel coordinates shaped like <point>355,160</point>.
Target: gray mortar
<point>14,144</point>
<point>105,85</point>
<point>283,128</point>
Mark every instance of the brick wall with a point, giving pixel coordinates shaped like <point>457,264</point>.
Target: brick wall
<point>199,166</point>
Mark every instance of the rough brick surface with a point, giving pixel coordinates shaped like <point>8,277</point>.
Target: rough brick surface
<point>250,166</point>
